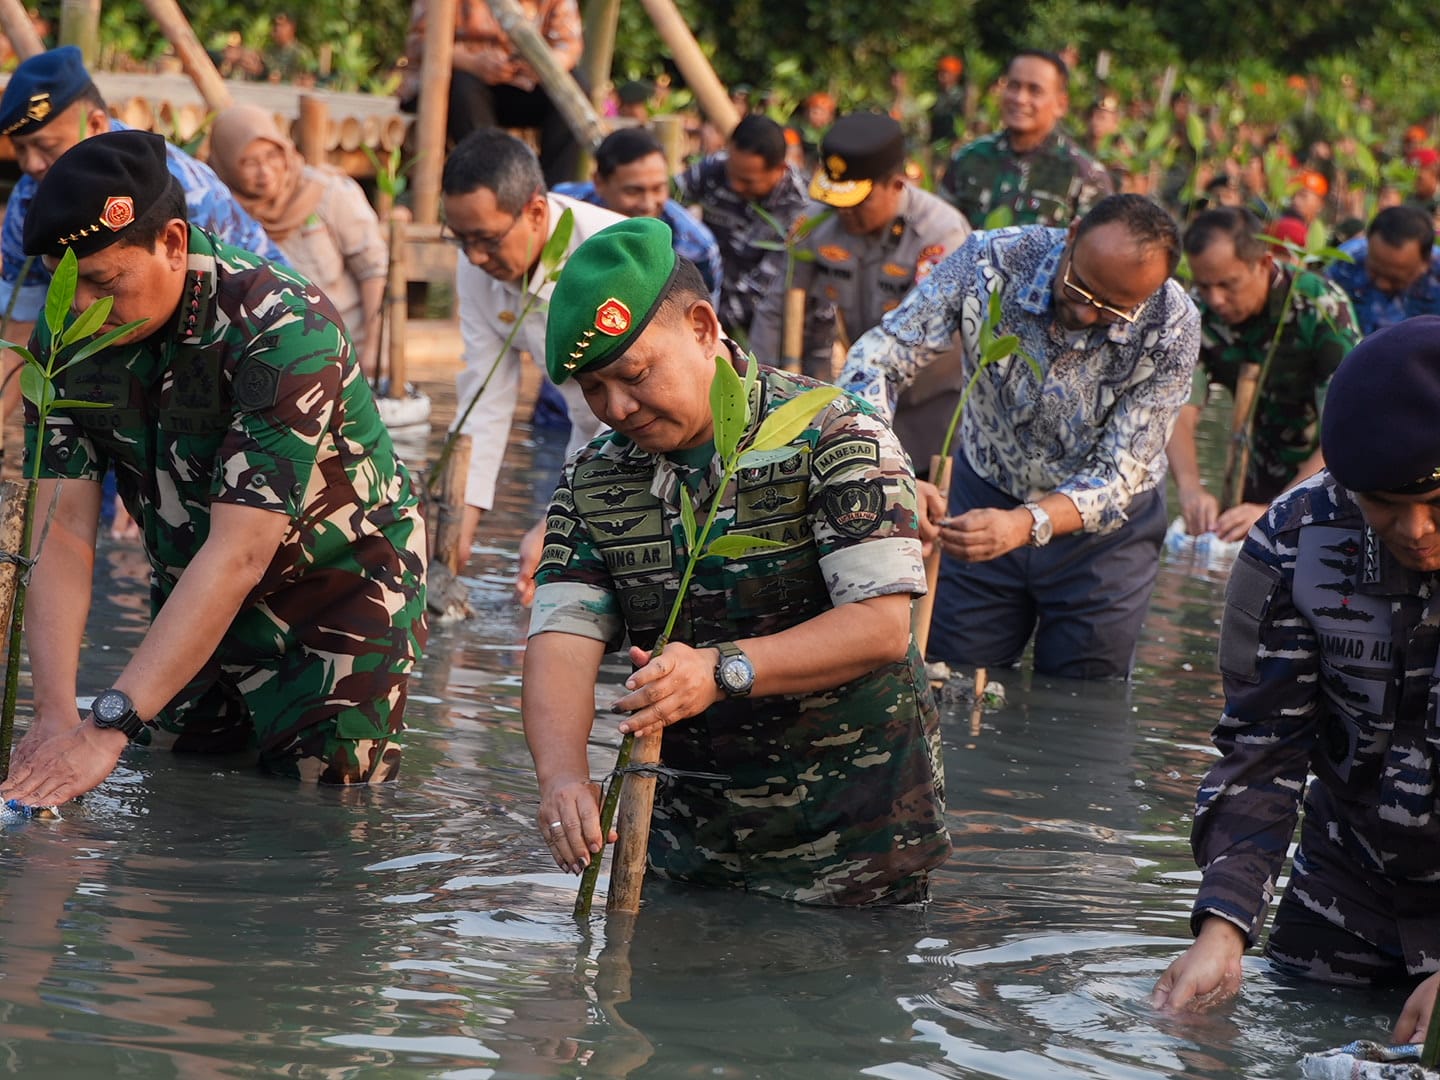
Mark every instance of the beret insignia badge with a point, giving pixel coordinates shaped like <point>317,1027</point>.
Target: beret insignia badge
<point>119,211</point>
<point>836,165</point>
<point>612,317</point>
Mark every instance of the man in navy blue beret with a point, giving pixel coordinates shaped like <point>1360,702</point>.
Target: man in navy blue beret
<point>49,105</point>
<point>1330,651</point>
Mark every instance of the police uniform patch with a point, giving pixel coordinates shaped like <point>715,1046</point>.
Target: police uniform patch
<point>257,385</point>
<point>895,270</point>
<point>855,507</point>
<point>834,253</point>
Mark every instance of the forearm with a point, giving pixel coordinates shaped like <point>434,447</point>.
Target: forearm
<point>58,601</point>
<point>557,703</point>
<point>1180,452</point>
<point>834,647</point>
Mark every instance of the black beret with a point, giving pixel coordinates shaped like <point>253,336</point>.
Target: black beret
<point>94,191</point>
<point>41,88</point>
<point>1381,427</point>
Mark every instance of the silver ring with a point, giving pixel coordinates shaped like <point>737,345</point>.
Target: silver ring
<point>556,825</point>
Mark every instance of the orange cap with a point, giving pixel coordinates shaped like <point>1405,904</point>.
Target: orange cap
<point>952,64</point>
<point>1316,182</point>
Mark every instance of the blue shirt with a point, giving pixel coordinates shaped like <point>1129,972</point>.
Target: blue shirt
<point>1093,426</point>
<point>208,201</point>
<point>1375,309</point>
<point>692,241</point>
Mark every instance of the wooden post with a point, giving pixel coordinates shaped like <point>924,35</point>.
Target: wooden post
<point>193,57</point>
<point>601,19</point>
<point>15,22</point>
<point>693,64</point>
<point>452,507</point>
<point>924,608</point>
<point>792,331</point>
<point>1237,454</point>
<point>632,823</point>
<point>432,110</point>
<point>977,707</point>
<point>80,26</point>
<point>397,312</point>
<point>313,124</point>
<point>560,85</point>
<point>670,131</point>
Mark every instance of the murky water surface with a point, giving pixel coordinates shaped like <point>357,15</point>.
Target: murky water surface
<point>195,919</point>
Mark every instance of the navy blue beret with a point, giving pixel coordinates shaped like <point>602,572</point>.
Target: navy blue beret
<point>94,191</point>
<point>41,88</point>
<point>1381,427</point>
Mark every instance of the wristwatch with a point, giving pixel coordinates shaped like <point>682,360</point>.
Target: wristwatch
<point>734,674</point>
<point>1041,530</point>
<point>114,709</point>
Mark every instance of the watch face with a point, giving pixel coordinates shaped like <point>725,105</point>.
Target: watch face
<point>1043,531</point>
<point>109,707</point>
<point>737,674</point>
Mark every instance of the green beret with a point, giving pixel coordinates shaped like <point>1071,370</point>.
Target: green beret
<point>606,295</point>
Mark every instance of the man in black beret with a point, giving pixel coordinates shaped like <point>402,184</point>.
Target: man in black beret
<point>49,105</point>
<point>1330,651</point>
<point>285,544</point>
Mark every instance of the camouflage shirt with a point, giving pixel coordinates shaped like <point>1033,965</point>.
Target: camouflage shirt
<point>832,797</point>
<point>1320,328</point>
<point>254,398</point>
<point>1053,184</point>
<point>749,271</point>
<point>1330,652</point>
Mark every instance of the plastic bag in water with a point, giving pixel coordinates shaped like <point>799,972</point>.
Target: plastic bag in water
<point>14,811</point>
<point>1363,1060</point>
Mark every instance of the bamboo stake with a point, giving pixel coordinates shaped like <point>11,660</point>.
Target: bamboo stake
<point>12,509</point>
<point>193,57</point>
<point>15,22</point>
<point>601,19</point>
<point>80,26</point>
<point>19,504</point>
<point>452,507</point>
<point>977,707</point>
<point>792,331</point>
<point>1237,454</point>
<point>314,119</point>
<point>924,608</point>
<point>397,312</point>
<point>432,109</point>
<point>560,85</point>
<point>637,800</point>
<point>694,66</point>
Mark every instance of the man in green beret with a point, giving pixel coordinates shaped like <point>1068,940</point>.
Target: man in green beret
<point>792,699</point>
<point>286,550</point>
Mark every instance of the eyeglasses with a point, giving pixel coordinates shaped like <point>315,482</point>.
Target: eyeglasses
<point>486,245</point>
<point>1084,296</point>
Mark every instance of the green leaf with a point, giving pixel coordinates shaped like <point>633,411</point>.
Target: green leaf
<point>687,517</point>
<point>999,218</point>
<point>104,341</point>
<point>768,245</point>
<point>790,419</point>
<point>769,219</point>
<point>729,407</point>
<point>61,294</point>
<point>73,403</point>
<point>1195,130</point>
<point>806,227</point>
<point>1333,254</point>
<point>1034,364</point>
<point>88,321</point>
<point>999,349</point>
<point>19,350</point>
<point>553,253</point>
<point>803,255</point>
<point>733,544</point>
<point>758,459</point>
<point>36,387</point>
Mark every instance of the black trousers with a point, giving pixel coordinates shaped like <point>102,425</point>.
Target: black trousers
<point>475,104</point>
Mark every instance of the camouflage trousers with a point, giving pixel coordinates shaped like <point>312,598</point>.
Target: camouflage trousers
<point>1338,924</point>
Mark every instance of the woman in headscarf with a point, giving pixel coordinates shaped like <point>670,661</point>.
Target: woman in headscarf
<point>317,216</point>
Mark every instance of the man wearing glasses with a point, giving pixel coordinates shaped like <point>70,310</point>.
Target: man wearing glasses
<point>1247,298</point>
<point>1056,507</point>
<point>498,214</point>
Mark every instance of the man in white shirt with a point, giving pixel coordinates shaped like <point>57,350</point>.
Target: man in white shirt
<point>498,214</point>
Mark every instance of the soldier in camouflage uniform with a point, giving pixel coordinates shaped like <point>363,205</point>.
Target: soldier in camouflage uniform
<point>1031,172</point>
<point>286,547</point>
<point>791,696</point>
<point>1330,651</point>
<point>1243,294</point>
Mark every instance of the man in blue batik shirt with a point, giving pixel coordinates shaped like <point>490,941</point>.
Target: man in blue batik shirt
<point>1057,503</point>
<point>1396,272</point>
<point>631,178</point>
<point>49,105</point>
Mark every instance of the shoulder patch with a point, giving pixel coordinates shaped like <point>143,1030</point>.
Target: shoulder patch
<point>256,385</point>
<point>857,449</point>
<point>1246,597</point>
<point>854,508</point>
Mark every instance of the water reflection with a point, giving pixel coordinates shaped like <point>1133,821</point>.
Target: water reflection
<point>194,919</point>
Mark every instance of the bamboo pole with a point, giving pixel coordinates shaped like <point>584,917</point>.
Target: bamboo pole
<point>397,314</point>
<point>193,57</point>
<point>12,520</point>
<point>694,66</point>
<point>924,608</point>
<point>792,331</point>
<point>632,823</point>
<point>452,507</point>
<point>1237,454</point>
<point>560,85</point>
<point>432,109</point>
<point>15,22</point>
<point>601,19</point>
<point>313,124</point>
<point>80,26</point>
<point>670,132</point>
<point>977,707</point>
